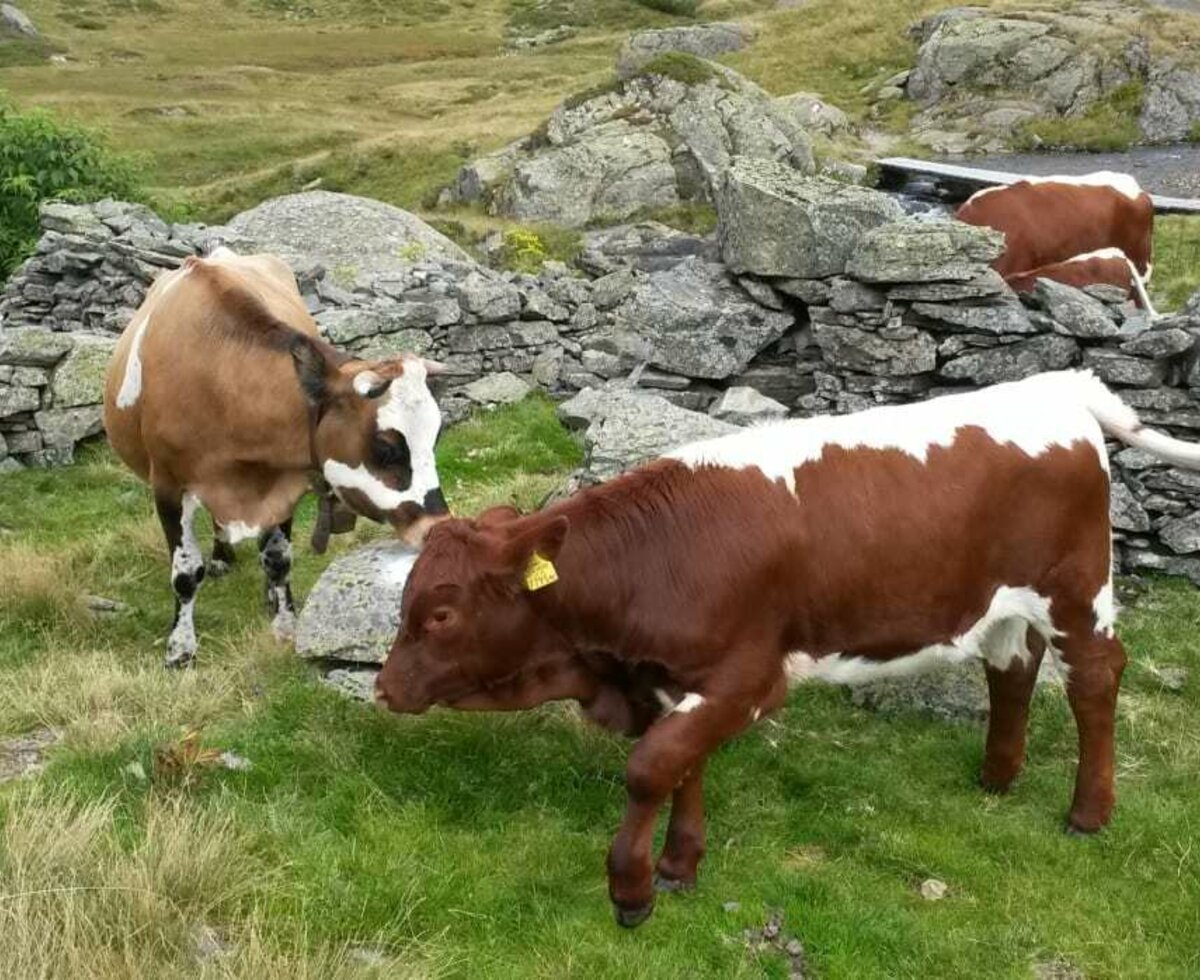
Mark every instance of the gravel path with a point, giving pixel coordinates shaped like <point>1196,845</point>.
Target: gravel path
<point>1173,171</point>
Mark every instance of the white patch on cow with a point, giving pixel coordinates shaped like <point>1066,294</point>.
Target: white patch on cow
<point>1104,608</point>
<point>1149,272</point>
<point>343,477</point>
<point>131,384</point>
<point>1034,415</point>
<point>755,715</point>
<point>667,702</point>
<point>221,254</point>
<point>236,531</point>
<point>687,704</point>
<point>1122,183</point>
<point>999,637</point>
<point>187,560</point>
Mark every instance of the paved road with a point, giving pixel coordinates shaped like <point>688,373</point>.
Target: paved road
<point>1173,171</point>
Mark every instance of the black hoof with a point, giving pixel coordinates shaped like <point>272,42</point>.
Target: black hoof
<point>180,663</point>
<point>632,918</point>
<point>664,883</point>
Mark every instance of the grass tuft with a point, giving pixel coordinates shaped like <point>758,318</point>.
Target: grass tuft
<point>1111,125</point>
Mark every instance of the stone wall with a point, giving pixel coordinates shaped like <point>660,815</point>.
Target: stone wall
<point>813,297</point>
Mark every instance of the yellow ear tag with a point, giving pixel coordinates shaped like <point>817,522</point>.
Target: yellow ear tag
<point>539,573</point>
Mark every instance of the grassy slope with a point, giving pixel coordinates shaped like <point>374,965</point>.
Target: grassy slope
<point>473,844</point>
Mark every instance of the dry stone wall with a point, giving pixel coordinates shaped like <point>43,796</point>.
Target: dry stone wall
<point>670,336</point>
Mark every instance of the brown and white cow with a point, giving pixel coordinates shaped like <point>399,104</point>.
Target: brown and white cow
<point>1104,267</point>
<point>1046,220</point>
<point>221,395</point>
<point>676,602</point>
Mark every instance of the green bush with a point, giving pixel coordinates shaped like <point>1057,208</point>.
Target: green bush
<point>528,249</point>
<point>683,67</point>
<point>42,159</point>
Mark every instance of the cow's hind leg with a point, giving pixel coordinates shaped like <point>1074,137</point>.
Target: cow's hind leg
<point>1010,689</point>
<point>178,515</point>
<point>223,555</point>
<point>275,555</point>
<point>1095,661</point>
<point>684,846</point>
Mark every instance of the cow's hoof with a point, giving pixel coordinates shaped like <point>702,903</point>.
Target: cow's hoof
<point>181,662</point>
<point>665,883</point>
<point>995,787</point>
<point>632,918</point>
<point>1077,827</point>
<point>217,568</point>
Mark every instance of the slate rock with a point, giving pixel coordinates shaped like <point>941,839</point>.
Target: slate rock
<point>497,389</point>
<point>353,612</point>
<point>911,250</point>
<point>702,40</point>
<point>745,406</point>
<point>1012,362</point>
<point>1074,312</point>
<point>1115,368</point>
<point>873,353</point>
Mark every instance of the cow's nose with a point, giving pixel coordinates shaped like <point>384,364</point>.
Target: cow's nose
<point>435,503</point>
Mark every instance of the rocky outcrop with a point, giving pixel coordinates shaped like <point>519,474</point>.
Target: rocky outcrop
<point>356,239</point>
<point>702,40</point>
<point>773,221</point>
<point>15,22</point>
<point>980,74</point>
<point>666,134</point>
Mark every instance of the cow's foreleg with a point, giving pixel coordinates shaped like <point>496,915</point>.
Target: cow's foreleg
<point>178,518</point>
<point>1010,689</point>
<point>275,555</point>
<point>1096,662</point>
<point>684,846</point>
<point>671,752</point>
<point>223,555</point>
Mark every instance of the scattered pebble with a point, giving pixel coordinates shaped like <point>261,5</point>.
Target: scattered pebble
<point>238,763</point>
<point>1057,969</point>
<point>98,605</point>
<point>22,756</point>
<point>1173,677</point>
<point>933,890</point>
<point>208,943</point>
<point>771,937</point>
<point>136,770</point>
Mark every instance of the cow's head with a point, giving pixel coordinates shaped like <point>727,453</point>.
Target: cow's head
<point>473,634</point>
<point>376,426</point>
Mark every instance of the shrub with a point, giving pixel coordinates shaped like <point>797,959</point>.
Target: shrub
<point>527,250</point>
<point>684,68</point>
<point>42,159</point>
<point>680,8</point>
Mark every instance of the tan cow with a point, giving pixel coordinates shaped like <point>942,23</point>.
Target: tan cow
<point>222,395</point>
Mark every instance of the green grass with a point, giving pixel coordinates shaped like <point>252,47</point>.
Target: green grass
<point>1176,260</point>
<point>473,845</point>
<point>684,68</point>
<point>1108,126</point>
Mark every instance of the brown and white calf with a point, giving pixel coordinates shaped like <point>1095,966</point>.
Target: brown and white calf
<point>1105,267</point>
<point>221,395</point>
<point>676,602</point>
<point>1047,220</point>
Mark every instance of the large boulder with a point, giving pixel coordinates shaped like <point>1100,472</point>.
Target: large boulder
<point>1171,105</point>
<point>773,221</point>
<point>666,134</point>
<point>353,612</point>
<point>703,40</point>
<point>13,20</point>
<point>694,320</point>
<point>355,238</point>
<point>912,250</point>
<point>79,380</point>
<point>625,427</point>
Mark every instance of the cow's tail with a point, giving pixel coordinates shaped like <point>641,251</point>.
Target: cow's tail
<point>1139,285</point>
<point>1121,422</point>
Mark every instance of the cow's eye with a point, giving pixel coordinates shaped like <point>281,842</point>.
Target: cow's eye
<point>390,450</point>
<point>442,618</point>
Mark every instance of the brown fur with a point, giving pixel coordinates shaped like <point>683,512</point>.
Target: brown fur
<point>1046,223</point>
<point>705,580</point>
<point>1079,273</point>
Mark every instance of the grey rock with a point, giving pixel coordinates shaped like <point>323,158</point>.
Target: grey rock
<point>13,20</point>
<point>1012,362</point>
<point>1114,368</point>
<point>1182,535</point>
<point>64,427</point>
<point>1125,512</point>
<point>1160,343</point>
<point>14,401</point>
<point>702,40</point>
<point>1171,105</point>
<point>626,427</point>
<point>1075,313</point>
<point>814,114</point>
<point>912,250</point>
<point>773,221</point>
<point>1002,316</point>
<point>848,296</point>
<point>31,346</point>
<point>745,406</point>
<point>353,612</point>
<point>497,389</point>
<point>491,300</point>
<point>386,345</point>
<point>986,284</point>
<point>647,246</point>
<point>955,694</point>
<point>355,238</point>
<point>812,292</point>
<point>863,350</point>
<point>79,380</point>
<point>613,289</point>
<point>358,684</point>
<point>694,320</point>
<point>539,306</point>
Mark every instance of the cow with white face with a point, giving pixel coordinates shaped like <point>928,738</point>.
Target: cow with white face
<point>221,395</point>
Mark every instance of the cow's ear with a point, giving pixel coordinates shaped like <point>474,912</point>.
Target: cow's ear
<point>494,516</point>
<point>544,540</point>
<point>313,369</point>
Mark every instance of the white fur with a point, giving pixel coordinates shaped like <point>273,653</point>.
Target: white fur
<point>131,384</point>
<point>236,531</point>
<point>1104,607</point>
<point>187,560</point>
<point>343,477</point>
<point>688,703</point>
<point>1123,183</point>
<point>1034,415</point>
<point>998,636</point>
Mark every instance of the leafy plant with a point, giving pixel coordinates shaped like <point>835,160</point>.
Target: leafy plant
<point>527,249</point>
<point>42,159</point>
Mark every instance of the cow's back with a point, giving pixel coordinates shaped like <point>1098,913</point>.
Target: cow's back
<point>1046,222</point>
<point>189,389</point>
